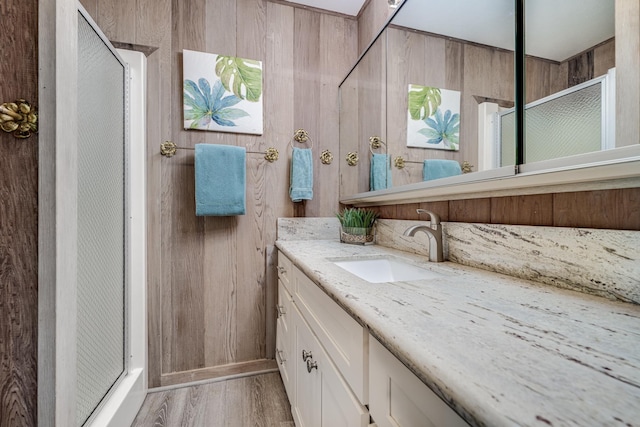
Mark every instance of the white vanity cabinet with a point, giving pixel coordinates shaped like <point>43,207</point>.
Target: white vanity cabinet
<point>399,399</point>
<point>285,344</point>
<point>325,370</point>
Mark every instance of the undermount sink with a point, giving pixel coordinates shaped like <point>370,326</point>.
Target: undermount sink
<point>385,269</point>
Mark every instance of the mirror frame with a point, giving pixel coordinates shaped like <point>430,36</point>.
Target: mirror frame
<point>601,170</point>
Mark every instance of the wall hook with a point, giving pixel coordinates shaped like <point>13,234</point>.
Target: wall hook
<point>352,158</point>
<point>18,118</point>
<point>326,157</point>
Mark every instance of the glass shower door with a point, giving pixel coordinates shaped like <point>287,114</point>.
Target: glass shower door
<point>101,298</point>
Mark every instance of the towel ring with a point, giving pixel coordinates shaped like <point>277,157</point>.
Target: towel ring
<point>301,136</point>
<point>375,142</point>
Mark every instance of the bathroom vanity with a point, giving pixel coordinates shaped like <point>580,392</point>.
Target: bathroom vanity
<point>465,346</point>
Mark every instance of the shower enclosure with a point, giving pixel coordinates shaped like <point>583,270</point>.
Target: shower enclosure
<point>92,248</point>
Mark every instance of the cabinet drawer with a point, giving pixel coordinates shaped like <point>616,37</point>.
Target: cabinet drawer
<point>285,270</point>
<point>342,337</point>
<point>397,398</point>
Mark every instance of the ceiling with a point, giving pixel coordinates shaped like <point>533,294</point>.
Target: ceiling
<point>556,30</point>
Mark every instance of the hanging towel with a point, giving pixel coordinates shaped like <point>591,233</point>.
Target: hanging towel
<point>380,174</point>
<point>301,187</point>
<point>436,168</point>
<point>220,180</point>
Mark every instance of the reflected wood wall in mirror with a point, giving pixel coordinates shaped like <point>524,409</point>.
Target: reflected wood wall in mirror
<point>470,49</point>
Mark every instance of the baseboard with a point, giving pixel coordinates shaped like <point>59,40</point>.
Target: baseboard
<point>215,373</point>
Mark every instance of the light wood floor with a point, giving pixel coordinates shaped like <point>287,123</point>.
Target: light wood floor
<point>254,401</point>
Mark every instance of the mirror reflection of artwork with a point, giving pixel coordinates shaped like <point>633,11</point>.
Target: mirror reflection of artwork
<point>433,118</point>
<point>222,93</point>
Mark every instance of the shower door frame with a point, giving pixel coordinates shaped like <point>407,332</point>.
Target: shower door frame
<point>57,235</point>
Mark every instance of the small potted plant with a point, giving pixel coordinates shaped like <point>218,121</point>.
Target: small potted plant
<point>356,225</point>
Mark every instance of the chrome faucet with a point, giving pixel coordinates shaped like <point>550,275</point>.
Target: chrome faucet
<point>434,231</point>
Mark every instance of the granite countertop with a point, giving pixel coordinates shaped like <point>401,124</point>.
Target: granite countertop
<point>500,350</point>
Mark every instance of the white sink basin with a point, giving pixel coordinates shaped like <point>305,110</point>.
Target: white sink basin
<point>380,270</point>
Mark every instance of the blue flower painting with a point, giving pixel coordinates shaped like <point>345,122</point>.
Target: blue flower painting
<point>207,104</point>
<point>222,93</point>
<point>433,118</point>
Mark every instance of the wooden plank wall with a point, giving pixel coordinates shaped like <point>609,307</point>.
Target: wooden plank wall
<point>617,209</point>
<point>18,221</point>
<point>207,276</point>
<point>477,72</point>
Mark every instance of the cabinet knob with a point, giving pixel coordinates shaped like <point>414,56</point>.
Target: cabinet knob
<point>281,269</point>
<point>306,355</point>
<point>281,311</point>
<point>311,365</point>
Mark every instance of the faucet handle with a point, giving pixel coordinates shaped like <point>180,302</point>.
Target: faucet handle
<point>434,219</point>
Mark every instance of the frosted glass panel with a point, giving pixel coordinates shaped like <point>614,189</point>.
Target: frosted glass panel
<point>508,135</point>
<point>564,126</point>
<point>560,126</point>
<point>101,233</point>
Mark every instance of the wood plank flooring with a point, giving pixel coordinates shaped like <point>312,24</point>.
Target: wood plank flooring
<point>258,400</point>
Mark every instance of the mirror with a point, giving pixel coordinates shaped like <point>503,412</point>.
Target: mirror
<point>445,70</point>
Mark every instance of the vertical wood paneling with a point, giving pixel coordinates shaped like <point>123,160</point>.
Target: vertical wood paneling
<point>154,224</point>
<point>278,122</point>
<point>476,210</point>
<point>19,222</point>
<point>538,74</point>
<point>279,116</point>
<point>617,209</point>
<point>522,210</point>
<point>487,73</point>
<point>371,18</point>
<point>604,58</point>
<point>117,19</point>
<point>614,209</point>
<point>627,53</point>
<point>440,208</point>
<point>334,63</point>
<point>207,276</point>
<point>184,252</point>
<point>580,68</point>
<point>91,6</point>
<point>307,88</point>
<point>251,299</point>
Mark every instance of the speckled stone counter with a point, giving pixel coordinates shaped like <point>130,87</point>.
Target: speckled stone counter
<point>500,350</point>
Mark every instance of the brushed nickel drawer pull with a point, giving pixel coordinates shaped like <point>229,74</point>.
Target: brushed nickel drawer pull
<point>306,355</point>
<point>311,365</point>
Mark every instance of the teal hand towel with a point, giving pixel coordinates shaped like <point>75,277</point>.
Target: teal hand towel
<point>221,172</point>
<point>380,174</point>
<point>437,168</point>
<point>301,187</point>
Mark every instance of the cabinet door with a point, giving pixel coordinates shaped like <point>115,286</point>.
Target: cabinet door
<point>308,400</point>
<point>344,339</point>
<point>285,342</point>
<point>340,407</point>
<point>399,399</point>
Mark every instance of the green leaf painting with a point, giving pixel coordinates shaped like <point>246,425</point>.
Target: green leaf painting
<point>439,110</point>
<point>222,93</point>
<point>243,77</point>
<point>423,101</point>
